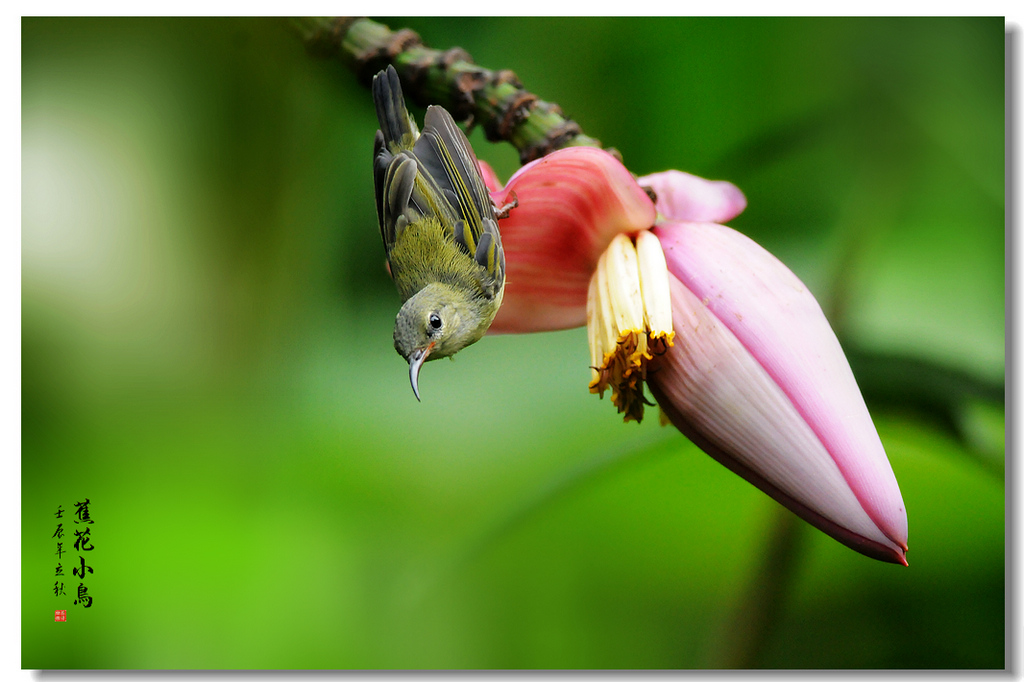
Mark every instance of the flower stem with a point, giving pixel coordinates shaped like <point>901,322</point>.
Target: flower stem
<point>494,99</point>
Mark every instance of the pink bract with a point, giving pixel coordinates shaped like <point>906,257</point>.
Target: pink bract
<point>572,202</point>
<point>682,196</point>
<point>758,380</point>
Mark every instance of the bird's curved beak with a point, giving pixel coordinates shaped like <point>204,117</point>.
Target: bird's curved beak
<point>416,360</point>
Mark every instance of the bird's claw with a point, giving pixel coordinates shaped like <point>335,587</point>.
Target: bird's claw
<point>500,213</point>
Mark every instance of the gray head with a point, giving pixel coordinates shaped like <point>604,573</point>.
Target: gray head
<point>437,322</point>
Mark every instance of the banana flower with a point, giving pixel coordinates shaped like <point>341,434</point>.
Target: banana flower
<point>731,344</point>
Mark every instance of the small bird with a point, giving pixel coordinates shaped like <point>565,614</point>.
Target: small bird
<point>440,229</point>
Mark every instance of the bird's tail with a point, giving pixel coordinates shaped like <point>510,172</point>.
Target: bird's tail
<point>395,122</point>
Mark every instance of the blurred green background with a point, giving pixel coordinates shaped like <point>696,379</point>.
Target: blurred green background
<point>207,356</point>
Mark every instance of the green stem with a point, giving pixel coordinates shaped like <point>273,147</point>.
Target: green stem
<point>494,99</point>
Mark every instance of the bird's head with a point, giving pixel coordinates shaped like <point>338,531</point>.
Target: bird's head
<point>437,322</point>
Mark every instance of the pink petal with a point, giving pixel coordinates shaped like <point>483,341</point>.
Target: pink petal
<point>758,379</point>
<point>682,196</point>
<point>491,180</point>
<point>571,204</point>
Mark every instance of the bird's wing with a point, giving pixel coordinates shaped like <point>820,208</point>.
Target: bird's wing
<point>398,127</point>
<point>381,160</point>
<point>404,193</point>
<point>449,161</point>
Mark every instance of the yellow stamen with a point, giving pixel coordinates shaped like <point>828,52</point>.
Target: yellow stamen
<point>629,319</point>
<point>654,287</point>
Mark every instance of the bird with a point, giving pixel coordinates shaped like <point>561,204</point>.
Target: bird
<point>439,227</point>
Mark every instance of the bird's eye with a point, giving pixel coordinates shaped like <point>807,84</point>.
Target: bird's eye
<point>435,320</point>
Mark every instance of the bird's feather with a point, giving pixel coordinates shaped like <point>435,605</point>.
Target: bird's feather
<point>433,173</point>
<point>448,158</point>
